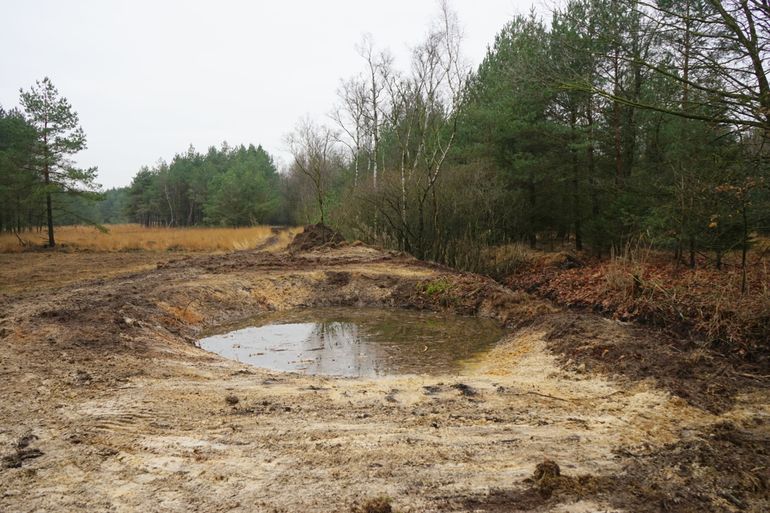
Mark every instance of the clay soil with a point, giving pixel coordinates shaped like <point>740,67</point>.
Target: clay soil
<point>106,404</point>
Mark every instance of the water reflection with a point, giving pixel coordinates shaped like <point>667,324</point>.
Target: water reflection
<point>356,342</point>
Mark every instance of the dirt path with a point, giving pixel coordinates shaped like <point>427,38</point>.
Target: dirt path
<point>108,406</point>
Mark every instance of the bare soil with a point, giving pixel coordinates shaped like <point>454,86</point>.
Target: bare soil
<point>45,269</point>
<point>107,405</point>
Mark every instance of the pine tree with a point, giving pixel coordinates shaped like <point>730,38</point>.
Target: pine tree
<point>59,136</point>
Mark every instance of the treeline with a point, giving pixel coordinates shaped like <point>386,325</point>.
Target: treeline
<point>618,120</point>
<point>109,207</point>
<point>226,186</point>
<point>40,188</point>
<point>22,204</point>
<point>615,122</point>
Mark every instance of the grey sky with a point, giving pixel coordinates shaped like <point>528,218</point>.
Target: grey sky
<point>150,77</point>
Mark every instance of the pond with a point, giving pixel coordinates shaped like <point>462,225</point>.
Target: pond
<point>357,342</point>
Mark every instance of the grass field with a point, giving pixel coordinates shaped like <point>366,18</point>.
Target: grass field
<point>133,237</point>
<point>85,253</point>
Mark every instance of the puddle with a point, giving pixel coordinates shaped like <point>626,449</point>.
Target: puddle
<point>363,342</point>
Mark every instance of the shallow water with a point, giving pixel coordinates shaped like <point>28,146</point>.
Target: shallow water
<point>360,342</point>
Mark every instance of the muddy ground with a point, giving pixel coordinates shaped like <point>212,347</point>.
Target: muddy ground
<point>107,405</point>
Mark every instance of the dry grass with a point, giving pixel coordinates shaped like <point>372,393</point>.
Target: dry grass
<point>495,261</point>
<point>505,259</point>
<point>132,237</point>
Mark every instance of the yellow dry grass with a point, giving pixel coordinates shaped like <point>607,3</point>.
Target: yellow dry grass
<point>133,237</point>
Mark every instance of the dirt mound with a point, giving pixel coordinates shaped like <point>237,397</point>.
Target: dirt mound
<point>546,488</point>
<point>315,236</point>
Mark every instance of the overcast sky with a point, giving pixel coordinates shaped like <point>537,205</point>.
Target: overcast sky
<point>150,77</point>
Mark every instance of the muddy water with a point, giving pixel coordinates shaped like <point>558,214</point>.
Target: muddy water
<point>362,342</point>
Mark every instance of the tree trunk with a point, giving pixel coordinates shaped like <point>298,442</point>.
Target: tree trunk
<point>48,205</point>
<point>375,125</point>
<point>51,241</point>
<point>616,120</point>
<point>744,246</point>
<point>403,205</point>
<point>692,252</point>
<point>576,191</point>
<point>591,163</point>
<point>532,205</point>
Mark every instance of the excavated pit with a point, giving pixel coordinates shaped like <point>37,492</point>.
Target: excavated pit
<point>109,406</point>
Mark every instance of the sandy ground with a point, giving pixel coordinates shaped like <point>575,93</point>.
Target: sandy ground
<point>107,405</point>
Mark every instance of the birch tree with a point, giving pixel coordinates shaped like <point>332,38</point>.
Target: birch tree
<point>422,114</point>
<point>350,115</point>
<point>377,67</point>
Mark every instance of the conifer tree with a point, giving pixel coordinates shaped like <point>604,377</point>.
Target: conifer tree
<point>59,136</point>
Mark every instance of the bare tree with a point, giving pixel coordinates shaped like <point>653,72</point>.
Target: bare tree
<point>378,65</point>
<point>315,157</point>
<point>350,115</point>
<point>422,113</point>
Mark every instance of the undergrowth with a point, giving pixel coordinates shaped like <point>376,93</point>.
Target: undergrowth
<point>644,284</point>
